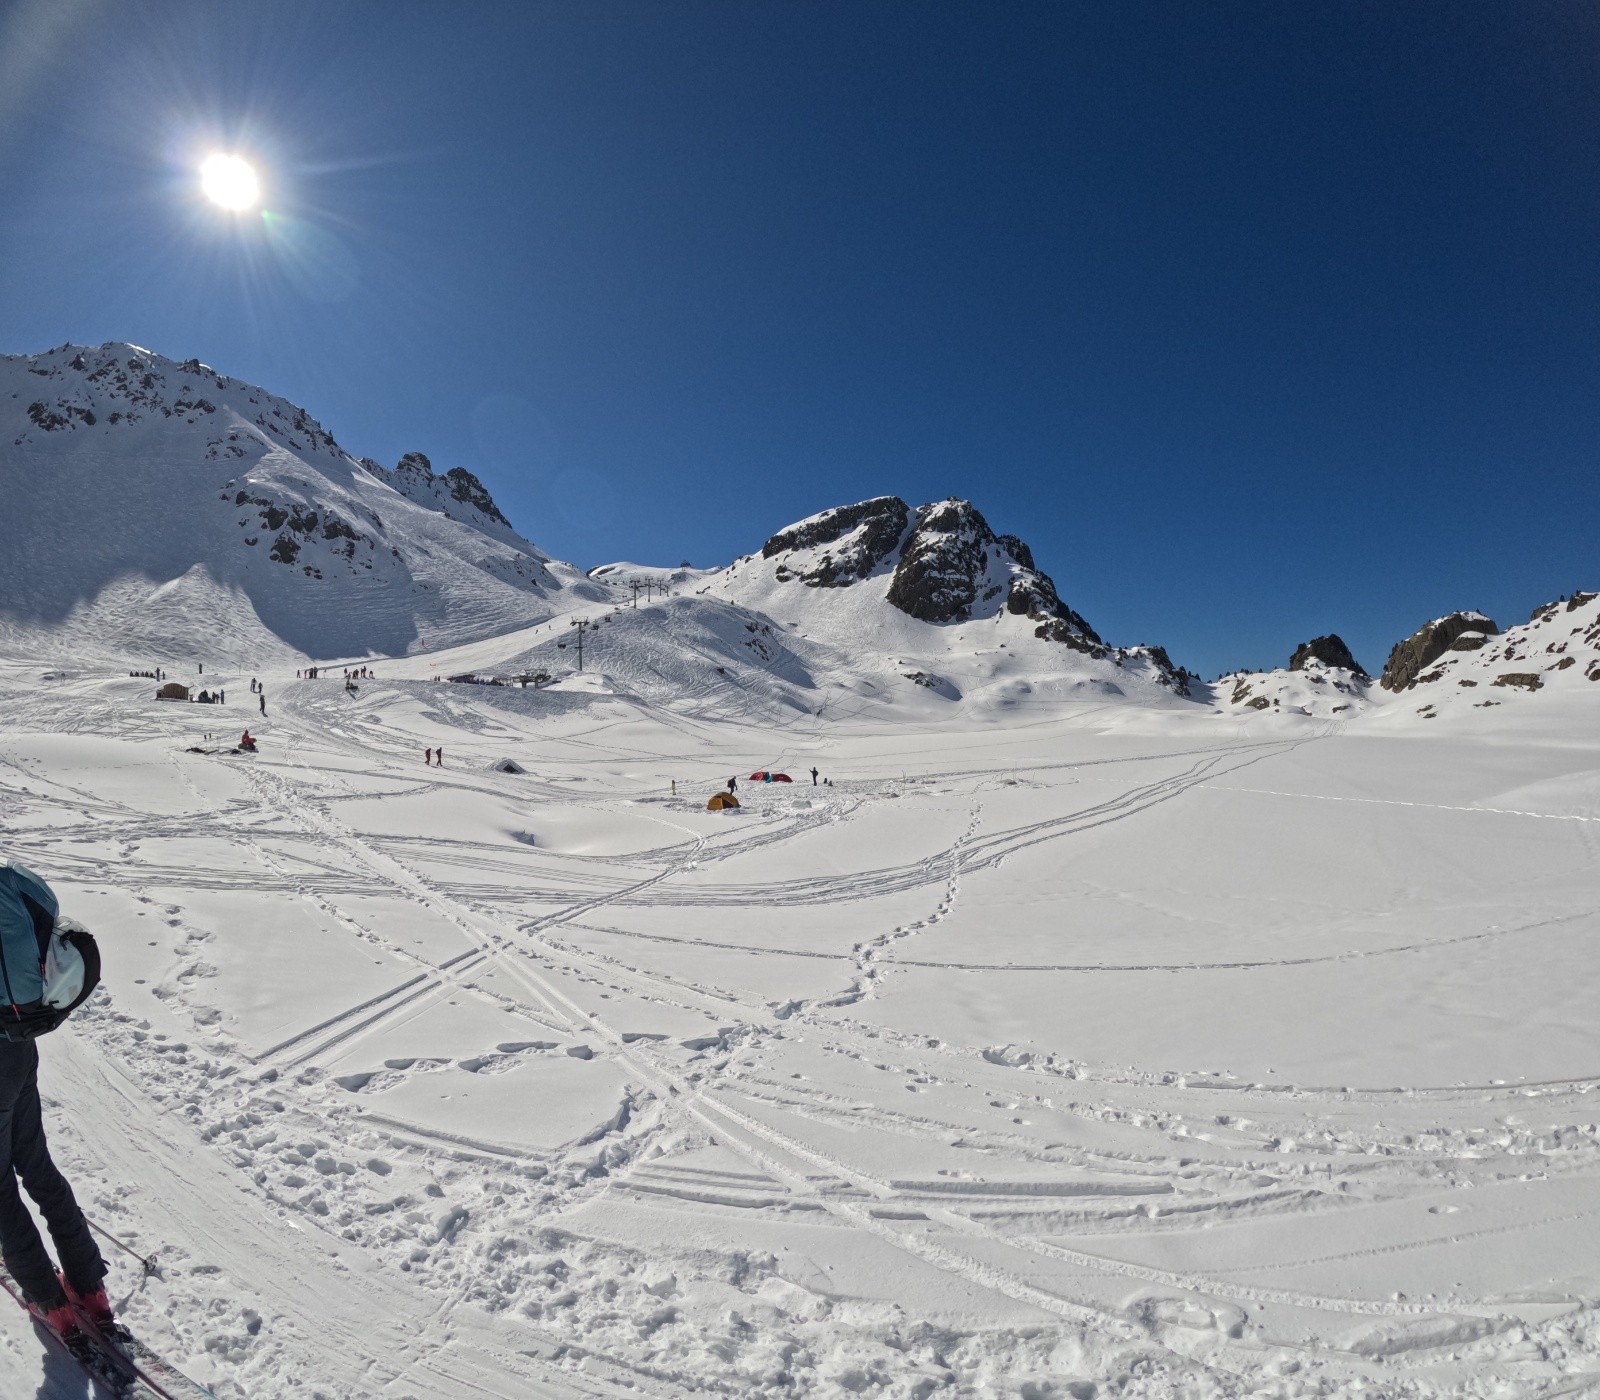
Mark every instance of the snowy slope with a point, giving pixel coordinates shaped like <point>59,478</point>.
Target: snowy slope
<point>1322,681</point>
<point>1125,1050</point>
<point>1315,691</point>
<point>653,578</point>
<point>872,608</point>
<point>157,507</point>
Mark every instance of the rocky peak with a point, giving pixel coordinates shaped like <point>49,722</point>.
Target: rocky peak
<point>1458,631</point>
<point>944,565</point>
<point>952,563</point>
<point>947,564</point>
<point>852,540</point>
<point>1329,651</point>
<point>414,466</point>
<point>467,489</point>
<point>413,477</point>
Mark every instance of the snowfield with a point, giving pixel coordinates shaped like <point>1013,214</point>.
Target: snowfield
<point>1090,1031</point>
<point>1069,1044</point>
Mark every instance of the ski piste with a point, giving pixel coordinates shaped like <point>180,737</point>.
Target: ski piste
<point>115,1358</point>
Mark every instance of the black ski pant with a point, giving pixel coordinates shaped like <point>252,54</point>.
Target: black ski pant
<point>25,1154</point>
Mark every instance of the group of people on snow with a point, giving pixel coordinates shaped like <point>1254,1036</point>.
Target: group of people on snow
<point>733,783</point>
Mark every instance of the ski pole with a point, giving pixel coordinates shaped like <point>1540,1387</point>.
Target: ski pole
<point>148,1265</point>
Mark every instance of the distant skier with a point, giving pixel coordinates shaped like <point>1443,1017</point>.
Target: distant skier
<point>438,758</point>
<point>813,777</point>
<point>222,696</point>
<point>27,903</point>
<point>263,698</point>
<point>733,785</point>
<point>427,757</point>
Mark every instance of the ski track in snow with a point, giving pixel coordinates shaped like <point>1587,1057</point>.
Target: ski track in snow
<point>839,1155</point>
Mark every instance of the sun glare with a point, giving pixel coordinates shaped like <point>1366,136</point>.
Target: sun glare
<point>230,182</point>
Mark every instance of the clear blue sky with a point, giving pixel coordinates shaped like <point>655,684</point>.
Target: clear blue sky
<point>1256,320</point>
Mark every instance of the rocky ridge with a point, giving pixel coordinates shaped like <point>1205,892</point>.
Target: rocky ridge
<point>848,542</point>
<point>1557,650</point>
<point>1457,631</point>
<point>457,493</point>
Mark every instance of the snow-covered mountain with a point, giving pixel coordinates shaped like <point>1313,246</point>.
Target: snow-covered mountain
<point>160,510</point>
<point>871,607</point>
<point>1464,661</point>
<point>156,506</point>
<point>937,597</point>
<point>1451,665</point>
<point>1322,680</point>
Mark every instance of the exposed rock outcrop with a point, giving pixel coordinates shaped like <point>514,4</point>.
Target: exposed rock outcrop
<point>944,566</point>
<point>1330,651</point>
<point>467,489</point>
<point>953,561</point>
<point>413,477</point>
<point>948,565</point>
<point>864,536</point>
<point>1459,631</point>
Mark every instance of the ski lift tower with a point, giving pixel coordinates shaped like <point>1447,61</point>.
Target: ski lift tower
<point>583,625</point>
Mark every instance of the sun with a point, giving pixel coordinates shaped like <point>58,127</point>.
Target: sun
<point>230,181</point>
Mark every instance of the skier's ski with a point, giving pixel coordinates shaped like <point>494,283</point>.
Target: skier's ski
<point>153,1370</point>
<point>99,1360</point>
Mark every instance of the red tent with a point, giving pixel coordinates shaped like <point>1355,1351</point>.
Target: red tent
<point>782,778</point>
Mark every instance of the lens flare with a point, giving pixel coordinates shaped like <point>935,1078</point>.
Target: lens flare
<point>230,182</point>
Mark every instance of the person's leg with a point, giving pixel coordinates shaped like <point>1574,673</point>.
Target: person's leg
<point>20,1245</point>
<point>81,1261</point>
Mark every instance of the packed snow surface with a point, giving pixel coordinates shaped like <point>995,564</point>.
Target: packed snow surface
<point>1073,1041</point>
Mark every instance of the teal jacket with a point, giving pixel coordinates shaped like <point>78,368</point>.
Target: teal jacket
<point>28,913</point>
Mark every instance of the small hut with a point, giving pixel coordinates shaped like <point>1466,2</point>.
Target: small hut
<point>508,765</point>
<point>173,690</point>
